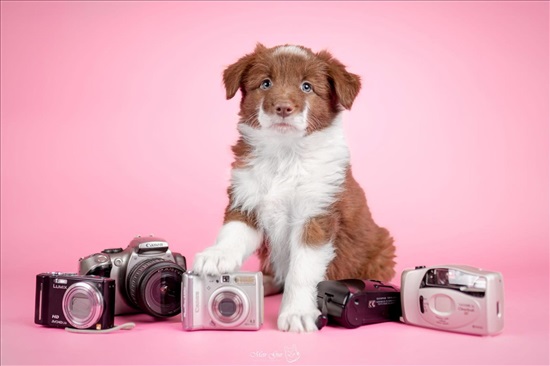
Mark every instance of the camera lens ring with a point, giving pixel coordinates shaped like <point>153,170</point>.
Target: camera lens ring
<point>93,295</point>
<point>241,303</point>
<point>140,286</point>
<point>158,285</point>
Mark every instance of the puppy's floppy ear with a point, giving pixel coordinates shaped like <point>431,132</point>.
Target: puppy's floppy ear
<point>345,84</point>
<point>233,76</point>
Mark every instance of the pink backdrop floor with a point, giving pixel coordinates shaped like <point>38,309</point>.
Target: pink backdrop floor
<point>524,340</point>
<point>114,123</point>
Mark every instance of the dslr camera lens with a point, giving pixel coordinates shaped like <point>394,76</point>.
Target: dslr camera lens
<point>154,286</point>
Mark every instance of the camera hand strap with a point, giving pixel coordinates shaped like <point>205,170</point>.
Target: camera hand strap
<point>125,326</point>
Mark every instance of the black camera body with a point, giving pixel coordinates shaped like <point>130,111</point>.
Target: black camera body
<point>148,276</point>
<point>69,300</point>
<point>352,303</point>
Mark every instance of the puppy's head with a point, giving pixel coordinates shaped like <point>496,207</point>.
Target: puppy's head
<point>290,88</point>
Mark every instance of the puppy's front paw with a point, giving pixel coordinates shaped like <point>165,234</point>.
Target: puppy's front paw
<point>298,321</point>
<point>215,261</point>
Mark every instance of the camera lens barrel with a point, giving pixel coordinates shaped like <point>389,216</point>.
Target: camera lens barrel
<point>82,305</point>
<point>228,307</point>
<point>154,286</point>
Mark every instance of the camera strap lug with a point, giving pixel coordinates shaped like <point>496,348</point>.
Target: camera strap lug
<point>322,319</point>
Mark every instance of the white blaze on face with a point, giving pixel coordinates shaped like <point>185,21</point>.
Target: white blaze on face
<point>296,122</point>
<point>292,50</point>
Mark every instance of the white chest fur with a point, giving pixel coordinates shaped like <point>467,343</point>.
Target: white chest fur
<point>288,180</point>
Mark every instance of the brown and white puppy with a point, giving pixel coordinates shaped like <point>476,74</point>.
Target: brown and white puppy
<point>292,197</point>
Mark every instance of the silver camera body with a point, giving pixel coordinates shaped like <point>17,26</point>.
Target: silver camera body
<point>455,298</point>
<point>147,273</point>
<point>232,301</point>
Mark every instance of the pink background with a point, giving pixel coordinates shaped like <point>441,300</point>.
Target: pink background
<point>114,123</point>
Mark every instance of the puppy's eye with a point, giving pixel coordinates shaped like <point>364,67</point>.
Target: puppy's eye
<point>306,87</point>
<point>266,84</point>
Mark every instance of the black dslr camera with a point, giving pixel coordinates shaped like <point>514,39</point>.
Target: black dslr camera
<point>68,300</point>
<point>352,303</point>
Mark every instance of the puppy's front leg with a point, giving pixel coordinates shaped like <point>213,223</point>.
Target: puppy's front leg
<point>308,265</point>
<point>237,240</point>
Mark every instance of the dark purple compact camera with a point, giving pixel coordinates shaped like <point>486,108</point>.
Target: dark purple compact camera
<point>69,300</point>
<point>352,303</point>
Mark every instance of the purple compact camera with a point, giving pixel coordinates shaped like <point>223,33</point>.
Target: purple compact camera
<point>68,300</point>
<point>352,303</point>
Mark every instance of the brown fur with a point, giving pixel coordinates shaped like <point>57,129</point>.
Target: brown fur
<point>363,249</point>
<point>334,87</point>
<point>241,150</point>
<point>319,230</point>
<point>236,215</point>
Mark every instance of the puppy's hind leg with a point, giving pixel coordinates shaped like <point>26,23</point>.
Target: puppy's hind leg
<point>270,286</point>
<point>381,253</point>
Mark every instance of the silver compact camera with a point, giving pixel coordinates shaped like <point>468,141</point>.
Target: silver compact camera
<point>147,273</point>
<point>455,298</point>
<point>230,301</point>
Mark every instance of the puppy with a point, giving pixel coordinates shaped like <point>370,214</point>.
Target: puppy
<point>292,196</point>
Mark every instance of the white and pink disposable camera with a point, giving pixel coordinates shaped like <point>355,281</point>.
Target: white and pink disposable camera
<point>455,298</point>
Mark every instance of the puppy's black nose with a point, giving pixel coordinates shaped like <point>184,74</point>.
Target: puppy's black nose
<point>284,109</point>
